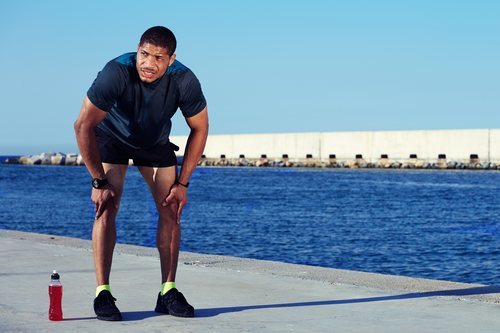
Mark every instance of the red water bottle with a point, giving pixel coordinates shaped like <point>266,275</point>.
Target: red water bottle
<point>55,295</point>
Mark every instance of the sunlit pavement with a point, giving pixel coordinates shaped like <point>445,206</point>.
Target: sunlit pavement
<point>229,294</point>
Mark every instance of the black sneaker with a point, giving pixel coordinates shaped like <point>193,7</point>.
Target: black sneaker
<point>105,308</point>
<point>174,303</point>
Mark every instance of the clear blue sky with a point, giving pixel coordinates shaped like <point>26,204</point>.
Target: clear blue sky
<point>265,66</point>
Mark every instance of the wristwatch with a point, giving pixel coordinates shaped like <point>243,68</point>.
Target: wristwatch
<point>99,183</point>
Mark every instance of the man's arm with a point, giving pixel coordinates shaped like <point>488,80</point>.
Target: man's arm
<point>90,116</point>
<point>192,154</point>
<point>195,144</point>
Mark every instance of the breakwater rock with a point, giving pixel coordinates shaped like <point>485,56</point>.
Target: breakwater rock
<point>48,159</point>
<point>357,162</point>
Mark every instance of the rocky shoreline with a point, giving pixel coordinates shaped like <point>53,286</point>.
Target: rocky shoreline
<point>73,159</point>
<point>70,159</point>
<point>357,163</point>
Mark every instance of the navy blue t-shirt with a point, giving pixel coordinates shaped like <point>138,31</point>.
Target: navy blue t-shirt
<point>138,113</point>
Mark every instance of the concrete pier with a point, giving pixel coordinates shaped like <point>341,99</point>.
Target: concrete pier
<point>431,149</point>
<point>457,145</point>
<point>230,294</point>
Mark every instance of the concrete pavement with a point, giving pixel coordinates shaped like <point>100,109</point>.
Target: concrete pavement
<point>230,294</point>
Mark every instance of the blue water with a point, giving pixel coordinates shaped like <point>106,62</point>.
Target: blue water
<point>5,157</point>
<point>433,224</point>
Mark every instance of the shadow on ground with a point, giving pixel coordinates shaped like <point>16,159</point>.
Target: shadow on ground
<point>138,315</point>
<point>211,312</point>
<point>127,316</point>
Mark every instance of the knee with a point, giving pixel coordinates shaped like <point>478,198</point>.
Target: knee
<point>107,219</point>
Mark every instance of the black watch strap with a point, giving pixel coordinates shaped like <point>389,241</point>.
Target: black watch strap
<point>181,184</point>
<point>99,183</point>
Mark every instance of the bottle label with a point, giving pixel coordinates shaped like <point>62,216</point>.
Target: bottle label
<point>55,308</point>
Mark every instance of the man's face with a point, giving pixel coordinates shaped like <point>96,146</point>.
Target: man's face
<point>152,62</point>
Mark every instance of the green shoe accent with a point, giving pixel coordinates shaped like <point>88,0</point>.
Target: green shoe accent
<point>165,287</point>
<point>101,288</point>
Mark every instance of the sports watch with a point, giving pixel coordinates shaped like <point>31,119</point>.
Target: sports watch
<point>99,183</point>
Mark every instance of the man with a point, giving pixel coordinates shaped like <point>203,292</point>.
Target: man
<point>126,115</point>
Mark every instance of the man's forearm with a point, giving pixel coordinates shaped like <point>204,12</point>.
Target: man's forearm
<point>87,144</point>
<point>192,154</point>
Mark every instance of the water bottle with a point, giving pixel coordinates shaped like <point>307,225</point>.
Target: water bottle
<point>55,295</point>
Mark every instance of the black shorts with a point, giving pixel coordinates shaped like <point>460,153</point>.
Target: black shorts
<point>115,152</point>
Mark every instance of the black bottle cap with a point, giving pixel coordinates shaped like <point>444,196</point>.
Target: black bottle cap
<point>55,276</point>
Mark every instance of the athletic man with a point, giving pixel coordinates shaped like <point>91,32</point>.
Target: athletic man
<point>126,115</point>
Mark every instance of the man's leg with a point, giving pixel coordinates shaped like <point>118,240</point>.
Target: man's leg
<point>104,229</point>
<point>170,300</point>
<point>160,180</point>
<point>103,244</point>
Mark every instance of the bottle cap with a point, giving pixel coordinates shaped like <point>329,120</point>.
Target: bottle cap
<point>55,275</point>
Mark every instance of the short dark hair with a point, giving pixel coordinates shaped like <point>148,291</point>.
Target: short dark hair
<point>160,36</point>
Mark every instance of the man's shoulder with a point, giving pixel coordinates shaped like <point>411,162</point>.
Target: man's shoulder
<point>127,59</point>
<point>119,68</point>
<point>178,69</point>
<point>181,74</point>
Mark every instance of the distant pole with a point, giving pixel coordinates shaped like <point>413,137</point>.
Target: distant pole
<point>489,145</point>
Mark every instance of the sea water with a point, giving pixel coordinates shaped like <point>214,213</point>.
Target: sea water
<point>424,223</point>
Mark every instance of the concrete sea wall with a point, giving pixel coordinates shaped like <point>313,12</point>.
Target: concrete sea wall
<point>441,149</point>
<point>427,146</point>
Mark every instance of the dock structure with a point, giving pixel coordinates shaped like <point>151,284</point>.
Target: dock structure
<point>470,146</point>
<point>432,149</point>
<point>229,294</point>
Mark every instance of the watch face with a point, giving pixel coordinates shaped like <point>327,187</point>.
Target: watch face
<point>99,183</point>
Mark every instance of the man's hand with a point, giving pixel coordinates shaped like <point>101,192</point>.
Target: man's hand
<point>177,195</point>
<point>102,198</point>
